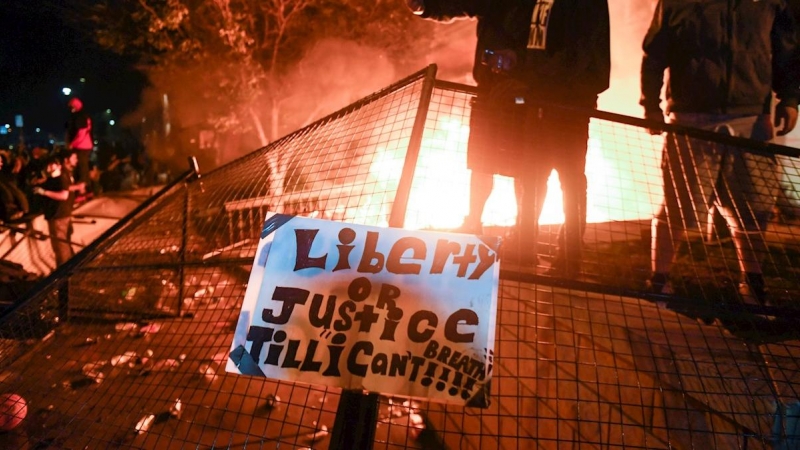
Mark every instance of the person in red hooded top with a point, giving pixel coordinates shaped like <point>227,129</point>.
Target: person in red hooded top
<point>79,137</point>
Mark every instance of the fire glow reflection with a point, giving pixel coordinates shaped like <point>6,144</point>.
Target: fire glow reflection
<point>623,180</point>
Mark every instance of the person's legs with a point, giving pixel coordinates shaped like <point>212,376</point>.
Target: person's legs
<point>747,193</point>
<point>59,239</point>
<point>530,190</point>
<point>480,187</point>
<point>662,252</point>
<point>82,172</point>
<point>567,139</point>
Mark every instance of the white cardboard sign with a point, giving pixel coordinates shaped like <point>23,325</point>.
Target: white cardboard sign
<point>399,312</point>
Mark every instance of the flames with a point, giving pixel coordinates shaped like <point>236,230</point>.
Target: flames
<point>622,177</point>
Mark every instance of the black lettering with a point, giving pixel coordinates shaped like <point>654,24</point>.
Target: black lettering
<point>398,365</point>
<point>463,261</point>
<point>380,364</point>
<point>309,365</point>
<point>275,350</point>
<point>416,362</point>
<point>352,365</point>
<point>444,354</point>
<point>444,248</point>
<point>346,237</point>
<point>414,335</point>
<point>394,262</point>
<point>463,364</point>
<point>359,289</point>
<point>485,261</point>
<point>333,364</point>
<point>454,360</point>
<point>386,300</point>
<point>466,316</point>
<point>304,240</point>
<point>372,260</point>
<point>335,351</point>
<point>313,314</point>
<point>258,336</point>
<point>346,321</point>
<point>367,317</point>
<point>290,297</point>
<point>431,350</point>
<point>291,361</point>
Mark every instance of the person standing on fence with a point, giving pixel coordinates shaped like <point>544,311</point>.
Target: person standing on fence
<point>57,207</point>
<point>79,137</point>
<point>539,64</point>
<point>725,59</point>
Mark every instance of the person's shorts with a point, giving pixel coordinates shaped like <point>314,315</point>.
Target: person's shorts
<point>497,141</point>
<point>700,174</point>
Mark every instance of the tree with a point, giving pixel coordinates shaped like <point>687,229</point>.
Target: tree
<point>237,65</point>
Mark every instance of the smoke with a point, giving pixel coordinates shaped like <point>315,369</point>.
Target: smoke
<point>332,75</point>
<point>629,23</point>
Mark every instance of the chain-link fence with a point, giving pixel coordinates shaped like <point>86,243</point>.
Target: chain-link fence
<point>126,345</point>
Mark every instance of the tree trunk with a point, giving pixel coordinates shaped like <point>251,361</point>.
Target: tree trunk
<point>259,128</point>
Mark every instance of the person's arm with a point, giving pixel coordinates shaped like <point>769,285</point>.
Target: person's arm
<point>785,70</point>
<point>60,196</point>
<point>78,187</point>
<point>654,63</point>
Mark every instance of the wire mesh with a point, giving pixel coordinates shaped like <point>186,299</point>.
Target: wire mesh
<point>126,347</point>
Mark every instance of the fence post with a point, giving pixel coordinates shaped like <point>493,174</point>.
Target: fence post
<point>357,414</point>
<point>398,216</point>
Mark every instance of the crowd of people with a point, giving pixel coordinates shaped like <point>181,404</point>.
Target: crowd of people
<point>53,181</point>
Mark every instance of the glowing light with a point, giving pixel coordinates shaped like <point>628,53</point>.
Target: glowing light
<point>620,176</point>
<point>112,122</point>
<point>66,91</point>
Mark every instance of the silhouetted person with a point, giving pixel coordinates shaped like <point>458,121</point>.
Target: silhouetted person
<point>537,54</point>
<point>725,59</point>
<point>79,136</point>
<point>57,207</point>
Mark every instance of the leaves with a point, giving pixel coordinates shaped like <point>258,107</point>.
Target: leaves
<point>242,57</point>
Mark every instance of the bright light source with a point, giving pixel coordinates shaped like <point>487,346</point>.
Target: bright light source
<point>8,126</point>
<point>66,90</point>
<point>112,122</point>
<point>83,80</point>
<point>108,111</point>
<point>38,130</point>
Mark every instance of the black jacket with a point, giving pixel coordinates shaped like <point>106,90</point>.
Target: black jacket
<point>723,56</point>
<point>574,65</point>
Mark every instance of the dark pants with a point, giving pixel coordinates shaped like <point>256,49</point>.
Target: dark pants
<point>60,234</point>
<point>82,171</point>
<point>556,140</point>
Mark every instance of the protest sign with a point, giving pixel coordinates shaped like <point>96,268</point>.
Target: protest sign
<point>386,310</point>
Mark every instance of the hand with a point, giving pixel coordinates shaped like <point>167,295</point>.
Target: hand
<point>654,116</point>
<point>38,191</point>
<point>785,118</point>
<point>82,187</point>
<point>500,61</point>
<point>416,6</point>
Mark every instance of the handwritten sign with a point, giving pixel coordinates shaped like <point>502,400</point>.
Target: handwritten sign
<point>387,310</point>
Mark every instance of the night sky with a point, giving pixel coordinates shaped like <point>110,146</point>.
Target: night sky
<point>40,54</point>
